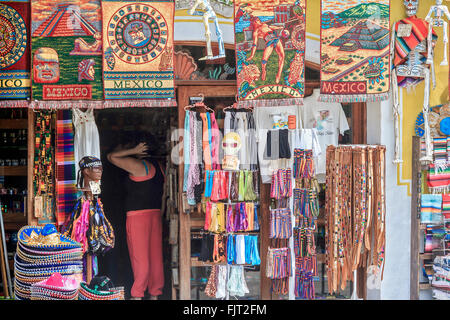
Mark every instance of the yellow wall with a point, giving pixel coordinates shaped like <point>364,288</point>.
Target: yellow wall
<point>412,101</point>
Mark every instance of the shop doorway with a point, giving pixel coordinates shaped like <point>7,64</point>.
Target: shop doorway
<point>121,126</point>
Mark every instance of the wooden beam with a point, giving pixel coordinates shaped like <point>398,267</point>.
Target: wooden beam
<point>264,200</point>
<point>31,220</point>
<point>415,232</point>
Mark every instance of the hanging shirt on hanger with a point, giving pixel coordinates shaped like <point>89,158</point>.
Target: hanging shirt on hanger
<point>273,120</point>
<point>86,140</point>
<point>329,120</point>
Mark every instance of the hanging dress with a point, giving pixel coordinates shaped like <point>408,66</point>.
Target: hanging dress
<point>86,140</point>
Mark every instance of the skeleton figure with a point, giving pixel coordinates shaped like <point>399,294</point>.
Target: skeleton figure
<point>438,11</point>
<point>410,48</point>
<point>208,12</point>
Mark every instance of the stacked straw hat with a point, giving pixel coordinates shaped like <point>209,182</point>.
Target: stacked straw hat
<point>41,252</point>
<point>56,287</point>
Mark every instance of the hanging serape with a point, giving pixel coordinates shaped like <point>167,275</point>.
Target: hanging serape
<point>138,53</point>
<point>66,192</point>
<point>67,55</point>
<point>14,53</point>
<point>270,51</point>
<point>354,51</point>
<point>404,45</point>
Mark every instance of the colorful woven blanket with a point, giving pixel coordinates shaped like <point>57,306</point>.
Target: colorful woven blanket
<point>438,179</point>
<point>431,208</point>
<point>404,45</point>
<point>138,53</point>
<point>270,51</point>
<point>354,54</point>
<point>67,53</point>
<point>14,52</point>
<point>66,192</point>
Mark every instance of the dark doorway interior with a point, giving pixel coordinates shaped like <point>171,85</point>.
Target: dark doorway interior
<point>120,126</point>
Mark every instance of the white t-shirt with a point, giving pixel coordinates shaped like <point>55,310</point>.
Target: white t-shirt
<point>329,120</point>
<point>272,118</point>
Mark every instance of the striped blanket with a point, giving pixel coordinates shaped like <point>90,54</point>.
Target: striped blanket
<point>446,206</point>
<point>404,45</point>
<point>438,180</point>
<point>65,166</point>
<point>431,208</point>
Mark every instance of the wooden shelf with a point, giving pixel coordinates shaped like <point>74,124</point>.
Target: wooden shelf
<point>14,123</point>
<point>14,220</point>
<point>13,170</point>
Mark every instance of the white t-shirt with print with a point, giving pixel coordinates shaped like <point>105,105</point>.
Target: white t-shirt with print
<point>329,120</point>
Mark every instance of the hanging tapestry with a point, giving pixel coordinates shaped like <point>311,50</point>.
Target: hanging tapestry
<point>354,51</point>
<point>67,53</point>
<point>138,53</point>
<point>270,51</point>
<point>66,192</point>
<point>14,53</point>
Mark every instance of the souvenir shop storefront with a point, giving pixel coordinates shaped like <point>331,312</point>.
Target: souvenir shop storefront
<point>202,150</point>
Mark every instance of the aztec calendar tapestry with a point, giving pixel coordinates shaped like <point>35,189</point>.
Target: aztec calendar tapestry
<point>270,51</point>
<point>67,50</point>
<point>138,51</point>
<point>14,50</point>
<point>354,54</point>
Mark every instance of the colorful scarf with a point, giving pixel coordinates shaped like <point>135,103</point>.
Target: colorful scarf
<point>65,166</point>
<point>354,54</point>
<point>138,53</point>
<point>270,51</point>
<point>67,54</point>
<point>14,53</point>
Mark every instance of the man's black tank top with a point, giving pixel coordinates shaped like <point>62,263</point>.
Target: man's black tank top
<point>147,194</point>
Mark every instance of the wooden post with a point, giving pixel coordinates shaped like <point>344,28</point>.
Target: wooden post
<point>415,235</point>
<point>265,283</point>
<point>31,220</point>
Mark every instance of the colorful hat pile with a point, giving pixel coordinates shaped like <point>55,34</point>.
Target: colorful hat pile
<point>100,288</point>
<point>56,287</point>
<point>41,252</point>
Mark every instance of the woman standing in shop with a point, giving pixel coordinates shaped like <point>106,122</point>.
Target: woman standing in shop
<point>144,191</point>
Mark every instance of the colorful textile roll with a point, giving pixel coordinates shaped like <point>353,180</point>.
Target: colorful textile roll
<point>440,150</point>
<point>431,208</point>
<point>355,61</point>
<point>15,53</point>
<point>139,67</point>
<point>268,71</point>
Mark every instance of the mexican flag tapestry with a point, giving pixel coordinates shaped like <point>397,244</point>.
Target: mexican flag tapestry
<point>270,51</point>
<point>138,53</point>
<point>354,51</point>
<point>14,53</point>
<point>66,46</point>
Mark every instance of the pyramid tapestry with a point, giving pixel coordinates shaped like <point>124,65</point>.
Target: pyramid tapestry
<point>14,52</point>
<point>67,53</point>
<point>354,51</point>
<point>138,53</point>
<point>270,51</point>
